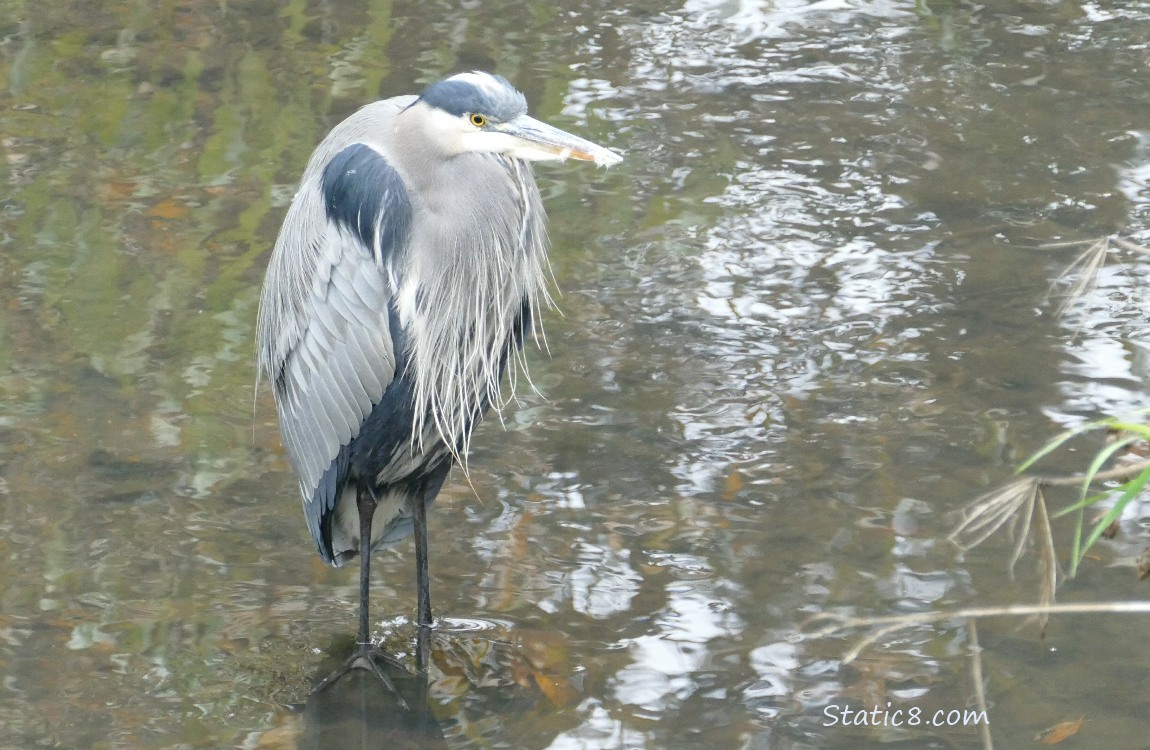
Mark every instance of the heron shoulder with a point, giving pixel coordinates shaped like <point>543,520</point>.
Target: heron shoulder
<point>364,194</point>
<point>324,330</point>
<point>368,124</point>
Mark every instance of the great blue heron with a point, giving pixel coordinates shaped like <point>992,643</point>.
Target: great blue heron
<point>409,268</point>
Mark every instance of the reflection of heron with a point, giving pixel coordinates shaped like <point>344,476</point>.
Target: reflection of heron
<point>359,711</point>
<point>408,269</point>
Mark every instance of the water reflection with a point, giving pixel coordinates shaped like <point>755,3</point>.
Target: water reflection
<point>666,661</point>
<point>805,322</point>
<point>359,710</point>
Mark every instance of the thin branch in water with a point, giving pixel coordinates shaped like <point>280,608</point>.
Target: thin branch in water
<point>1084,270</point>
<point>979,688</point>
<point>841,623</point>
<point>1022,504</point>
<point>1120,473</point>
<point>988,513</point>
<point>1083,273</point>
<point>1047,562</point>
<point>1133,247</point>
<point>1022,531</point>
<point>1064,243</point>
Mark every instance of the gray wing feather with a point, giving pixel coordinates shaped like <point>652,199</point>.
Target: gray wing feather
<point>324,330</point>
<point>340,365</point>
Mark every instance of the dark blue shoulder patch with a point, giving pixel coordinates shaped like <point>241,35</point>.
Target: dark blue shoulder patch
<point>365,195</point>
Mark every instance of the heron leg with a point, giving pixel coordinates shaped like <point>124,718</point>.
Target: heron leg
<point>365,501</point>
<point>365,652</point>
<point>422,574</point>
<point>422,581</point>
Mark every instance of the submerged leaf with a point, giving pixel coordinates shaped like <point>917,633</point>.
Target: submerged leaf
<point>1059,732</point>
<point>1144,564</point>
<point>557,688</point>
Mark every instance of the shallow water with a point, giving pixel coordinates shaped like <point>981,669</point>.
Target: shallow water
<point>802,324</point>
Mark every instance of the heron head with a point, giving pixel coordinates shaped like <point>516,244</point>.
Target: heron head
<point>483,113</point>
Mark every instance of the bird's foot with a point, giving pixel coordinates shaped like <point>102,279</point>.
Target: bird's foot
<point>366,657</point>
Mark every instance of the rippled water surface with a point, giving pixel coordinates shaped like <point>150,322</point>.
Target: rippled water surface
<point>802,324</point>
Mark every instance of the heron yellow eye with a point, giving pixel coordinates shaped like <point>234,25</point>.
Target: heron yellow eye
<point>478,120</point>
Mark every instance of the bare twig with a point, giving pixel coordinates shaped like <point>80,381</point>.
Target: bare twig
<point>1119,474</point>
<point>1131,246</point>
<point>987,514</point>
<point>1084,272</point>
<point>979,688</point>
<point>1023,504</point>
<point>892,623</point>
<point>1047,563</point>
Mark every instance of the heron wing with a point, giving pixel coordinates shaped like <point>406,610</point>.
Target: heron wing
<point>339,356</point>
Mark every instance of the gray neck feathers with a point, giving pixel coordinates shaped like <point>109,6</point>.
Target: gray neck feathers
<point>477,262</point>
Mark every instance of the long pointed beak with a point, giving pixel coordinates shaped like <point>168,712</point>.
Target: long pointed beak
<point>539,141</point>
